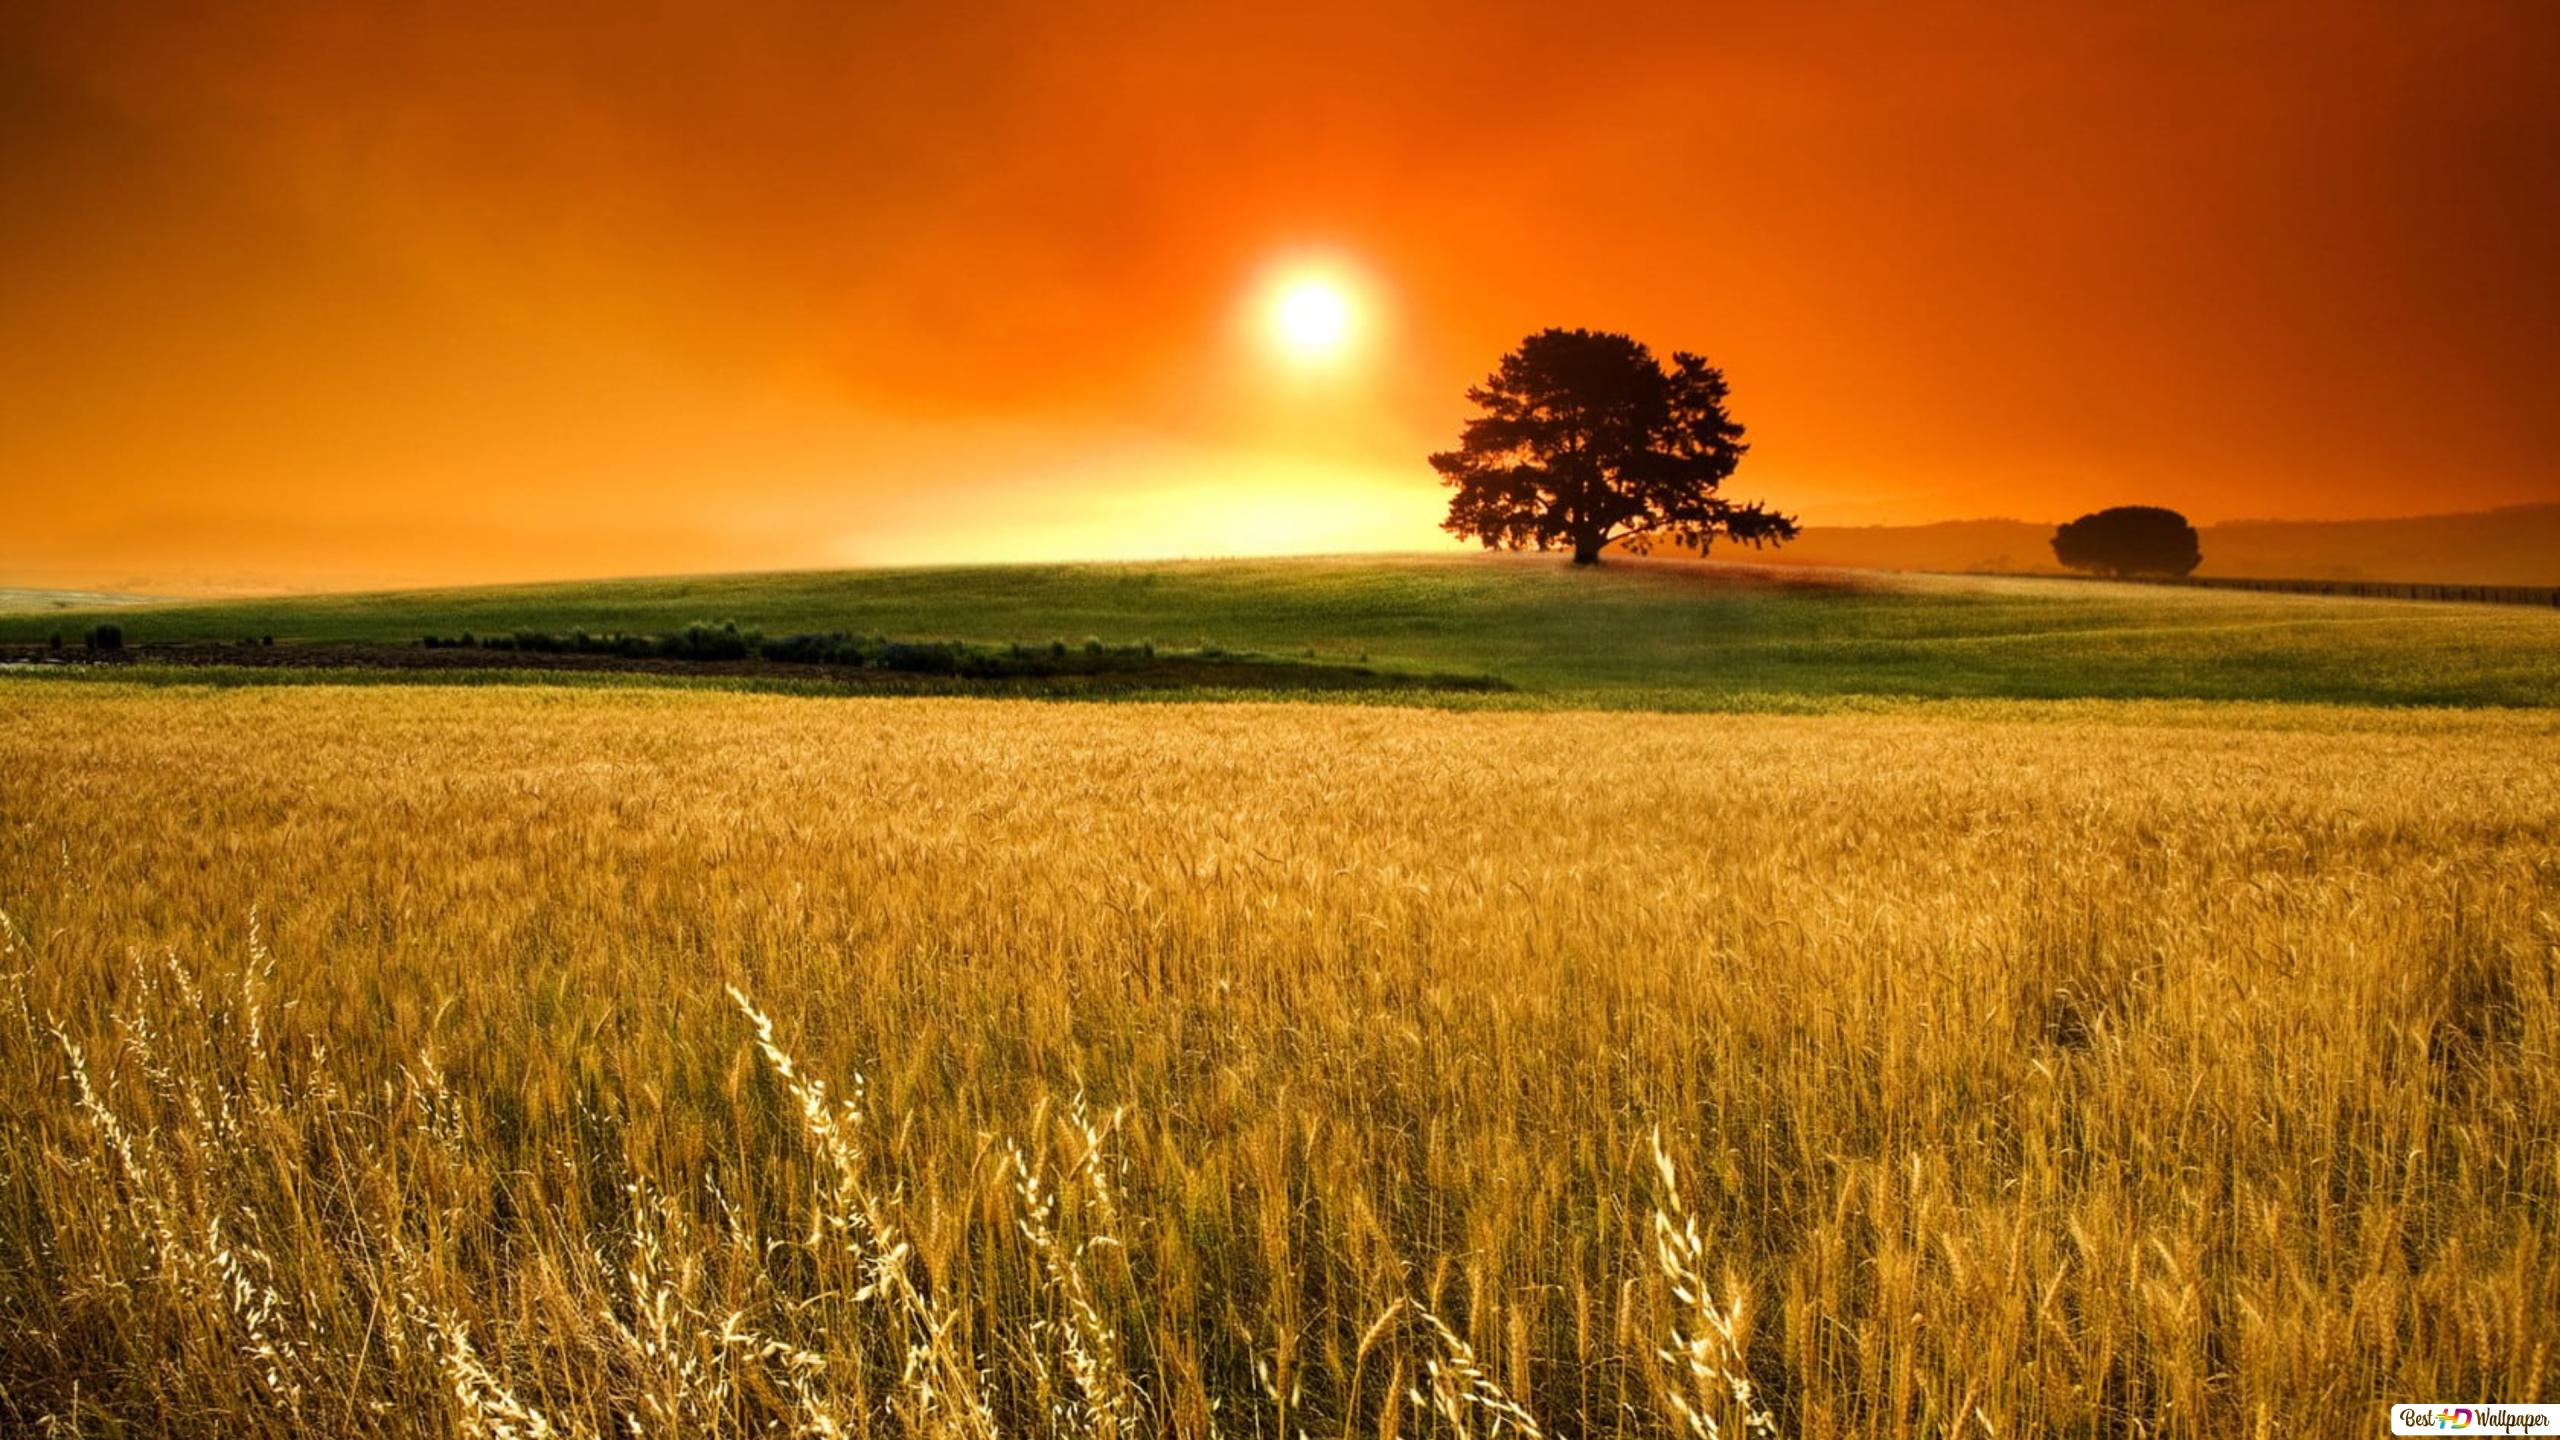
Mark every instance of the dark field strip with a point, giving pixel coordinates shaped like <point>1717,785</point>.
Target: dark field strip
<point>1158,673</point>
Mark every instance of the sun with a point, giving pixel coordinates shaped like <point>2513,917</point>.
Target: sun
<point>1313,316</point>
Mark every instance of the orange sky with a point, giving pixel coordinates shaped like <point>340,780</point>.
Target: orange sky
<point>365,292</point>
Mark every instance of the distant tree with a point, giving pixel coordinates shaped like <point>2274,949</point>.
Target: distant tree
<point>1587,439</point>
<point>2129,540</point>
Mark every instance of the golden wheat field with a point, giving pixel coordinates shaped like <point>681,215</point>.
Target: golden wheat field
<point>423,1062</point>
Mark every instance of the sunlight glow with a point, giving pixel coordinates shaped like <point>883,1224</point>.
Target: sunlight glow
<point>1312,316</point>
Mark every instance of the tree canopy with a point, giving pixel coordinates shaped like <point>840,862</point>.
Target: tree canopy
<point>1585,439</point>
<point>2129,540</point>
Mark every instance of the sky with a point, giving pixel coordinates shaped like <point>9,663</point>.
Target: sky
<point>368,293</point>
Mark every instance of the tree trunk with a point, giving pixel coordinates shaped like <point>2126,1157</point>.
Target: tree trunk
<point>1586,549</point>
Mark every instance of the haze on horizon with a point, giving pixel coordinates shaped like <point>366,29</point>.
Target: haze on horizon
<point>337,295</point>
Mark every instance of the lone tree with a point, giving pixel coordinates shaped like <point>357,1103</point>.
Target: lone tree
<point>1586,438</point>
<point>2129,540</point>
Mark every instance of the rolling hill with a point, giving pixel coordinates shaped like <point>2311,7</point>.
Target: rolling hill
<point>1665,634</point>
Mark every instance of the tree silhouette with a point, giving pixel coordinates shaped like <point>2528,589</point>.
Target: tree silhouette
<point>1586,438</point>
<point>2129,540</point>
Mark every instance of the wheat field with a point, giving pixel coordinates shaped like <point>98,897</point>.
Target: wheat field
<point>513,1063</point>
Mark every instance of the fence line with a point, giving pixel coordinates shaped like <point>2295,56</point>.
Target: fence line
<point>2364,589</point>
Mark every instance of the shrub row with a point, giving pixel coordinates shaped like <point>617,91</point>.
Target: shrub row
<point>705,641</point>
<point>108,635</point>
<point>698,641</point>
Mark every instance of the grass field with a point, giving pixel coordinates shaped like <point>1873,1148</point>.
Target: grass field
<point>2030,1008</point>
<point>55,603</point>
<point>1664,635</point>
<point>2018,1069</point>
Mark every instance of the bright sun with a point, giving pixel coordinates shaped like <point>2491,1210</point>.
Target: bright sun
<point>1312,316</point>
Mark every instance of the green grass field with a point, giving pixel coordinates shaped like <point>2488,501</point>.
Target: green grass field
<point>1666,635</point>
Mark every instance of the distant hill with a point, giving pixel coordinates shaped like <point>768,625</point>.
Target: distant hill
<point>2001,547</point>
<point>2515,545</point>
